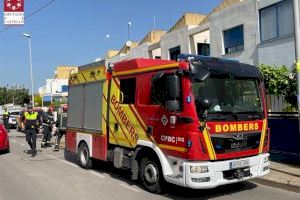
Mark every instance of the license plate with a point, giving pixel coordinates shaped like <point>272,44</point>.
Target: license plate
<point>237,145</point>
<point>239,164</point>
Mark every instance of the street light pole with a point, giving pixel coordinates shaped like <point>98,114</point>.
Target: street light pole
<point>31,73</point>
<point>297,47</point>
<point>51,86</point>
<point>129,24</point>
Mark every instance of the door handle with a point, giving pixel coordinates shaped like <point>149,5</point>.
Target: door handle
<point>116,127</point>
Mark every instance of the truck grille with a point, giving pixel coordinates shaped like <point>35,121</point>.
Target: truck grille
<point>234,142</point>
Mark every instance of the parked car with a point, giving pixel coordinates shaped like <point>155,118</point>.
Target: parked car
<point>4,141</point>
<point>13,120</point>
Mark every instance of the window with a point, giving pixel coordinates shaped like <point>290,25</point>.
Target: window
<point>174,52</point>
<point>64,88</point>
<point>128,90</point>
<point>234,39</point>
<point>157,57</point>
<point>203,49</point>
<point>159,91</point>
<point>276,21</point>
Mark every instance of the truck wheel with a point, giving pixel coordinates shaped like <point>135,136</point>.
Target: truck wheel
<point>151,175</point>
<point>84,156</point>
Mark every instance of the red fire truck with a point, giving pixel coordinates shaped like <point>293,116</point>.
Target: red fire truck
<point>200,122</point>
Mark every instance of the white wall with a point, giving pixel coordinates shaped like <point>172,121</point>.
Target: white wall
<point>277,52</point>
<point>173,39</point>
<point>156,52</point>
<point>244,13</point>
<point>138,52</point>
<point>56,85</point>
<point>203,37</point>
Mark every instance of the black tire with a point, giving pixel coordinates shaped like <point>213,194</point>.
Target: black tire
<point>151,175</point>
<point>5,151</point>
<point>84,158</point>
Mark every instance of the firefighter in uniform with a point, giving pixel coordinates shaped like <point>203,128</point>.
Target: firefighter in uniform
<point>6,116</point>
<point>57,129</point>
<point>59,135</point>
<point>31,121</point>
<point>48,122</point>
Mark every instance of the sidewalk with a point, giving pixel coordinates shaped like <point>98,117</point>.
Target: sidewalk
<point>282,175</point>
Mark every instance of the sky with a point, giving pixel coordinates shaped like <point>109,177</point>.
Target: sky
<point>73,33</point>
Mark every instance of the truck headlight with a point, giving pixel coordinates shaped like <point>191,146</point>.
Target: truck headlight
<point>266,159</point>
<point>199,169</point>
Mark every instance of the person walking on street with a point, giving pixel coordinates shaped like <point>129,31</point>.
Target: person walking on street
<point>48,122</point>
<point>31,121</point>
<point>6,116</point>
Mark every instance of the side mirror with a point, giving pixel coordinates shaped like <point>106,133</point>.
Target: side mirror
<point>173,93</point>
<point>203,105</point>
<point>173,87</point>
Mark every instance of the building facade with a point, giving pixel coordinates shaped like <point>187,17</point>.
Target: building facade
<point>251,31</point>
<point>56,88</point>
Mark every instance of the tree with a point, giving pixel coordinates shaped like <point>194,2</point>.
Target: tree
<point>38,100</point>
<point>19,95</point>
<point>280,81</point>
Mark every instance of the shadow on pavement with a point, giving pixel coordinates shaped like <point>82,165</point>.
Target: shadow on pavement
<point>172,191</point>
<point>285,159</point>
<point>2,152</point>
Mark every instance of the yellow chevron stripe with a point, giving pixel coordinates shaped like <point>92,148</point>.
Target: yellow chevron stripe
<point>181,149</point>
<point>298,66</point>
<point>139,118</point>
<point>263,135</point>
<point>210,147</point>
<point>159,67</point>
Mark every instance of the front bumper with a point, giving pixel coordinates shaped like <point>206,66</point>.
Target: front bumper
<point>218,172</point>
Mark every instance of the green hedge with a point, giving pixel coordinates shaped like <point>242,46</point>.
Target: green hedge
<point>280,80</point>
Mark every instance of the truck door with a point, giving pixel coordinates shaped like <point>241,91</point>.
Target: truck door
<point>123,129</point>
<point>168,134</point>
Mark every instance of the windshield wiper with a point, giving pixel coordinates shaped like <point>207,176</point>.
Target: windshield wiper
<point>220,116</point>
<point>252,114</point>
<point>217,117</point>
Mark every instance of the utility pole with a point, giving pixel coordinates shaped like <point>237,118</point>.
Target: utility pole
<point>129,25</point>
<point>154,22</point>
<point>31,73</point>
<point>297,48</point>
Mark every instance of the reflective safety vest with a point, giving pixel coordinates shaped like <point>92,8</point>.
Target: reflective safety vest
<point>31,120</point>
<point>32,116</point>
<point>5,115</point>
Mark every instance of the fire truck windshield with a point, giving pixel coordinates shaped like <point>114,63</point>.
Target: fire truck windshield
<point>230,98</point>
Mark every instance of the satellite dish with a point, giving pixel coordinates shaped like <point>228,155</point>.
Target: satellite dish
<point>128,44</point>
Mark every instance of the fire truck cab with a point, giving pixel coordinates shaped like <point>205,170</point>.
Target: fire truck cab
<point>199,122</point>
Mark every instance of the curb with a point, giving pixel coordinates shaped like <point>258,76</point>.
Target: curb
<point>280,179</point>
<point>289,187</point>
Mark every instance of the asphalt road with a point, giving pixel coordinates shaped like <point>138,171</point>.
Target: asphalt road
<point>49,176</point>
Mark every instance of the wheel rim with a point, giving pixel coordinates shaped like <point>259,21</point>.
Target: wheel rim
<point>83,156</point>
<point>151,173</point>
